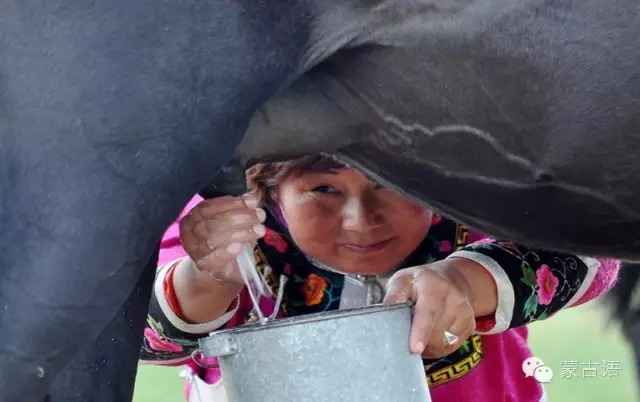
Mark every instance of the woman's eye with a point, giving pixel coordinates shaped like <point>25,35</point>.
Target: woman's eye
<point>324,189</point>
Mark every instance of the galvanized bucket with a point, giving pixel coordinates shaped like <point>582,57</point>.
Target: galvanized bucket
<point>359,354</point>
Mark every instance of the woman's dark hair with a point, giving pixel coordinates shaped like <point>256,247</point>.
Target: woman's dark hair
<point>263,178</point>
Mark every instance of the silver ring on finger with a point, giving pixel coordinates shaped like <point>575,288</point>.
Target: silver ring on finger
<point>450,339</point>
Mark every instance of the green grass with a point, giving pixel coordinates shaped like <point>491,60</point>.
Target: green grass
<point>158,384</point>
<point>578,334</point>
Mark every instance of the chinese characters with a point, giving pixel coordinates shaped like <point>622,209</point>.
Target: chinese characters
<point>589,369</point>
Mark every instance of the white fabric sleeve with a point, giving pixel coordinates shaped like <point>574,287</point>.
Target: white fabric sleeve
<point>592,267</point>
<point>183,326</point>
<point>506,294</point>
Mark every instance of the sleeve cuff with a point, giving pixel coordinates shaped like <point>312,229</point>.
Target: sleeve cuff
<point>592,268</point>
<point>173,318</point>
<point>506,294</point>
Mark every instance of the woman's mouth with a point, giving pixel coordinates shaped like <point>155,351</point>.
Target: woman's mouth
<point>367,248</point>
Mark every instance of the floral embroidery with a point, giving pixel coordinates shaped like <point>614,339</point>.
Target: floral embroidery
<point>155,325</point>
<point>528,276</point>
<point>445,246</point>
<point>547,284</point>
<point>275,240</point>
<point>156,342</point>
<point>435,219</point>
<point>313,289</point>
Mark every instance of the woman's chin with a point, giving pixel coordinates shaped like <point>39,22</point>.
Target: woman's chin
<point>367,265</point>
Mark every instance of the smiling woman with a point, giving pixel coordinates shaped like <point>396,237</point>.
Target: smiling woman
<point>333,239</point>
<point>343,219</point>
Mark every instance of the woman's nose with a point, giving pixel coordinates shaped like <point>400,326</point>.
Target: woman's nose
<point>361,215</point>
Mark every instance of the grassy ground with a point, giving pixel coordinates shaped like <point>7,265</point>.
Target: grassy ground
<point>576,335</point>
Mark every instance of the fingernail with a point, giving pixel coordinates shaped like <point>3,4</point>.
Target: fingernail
<point>420,347</point>
<point>250,202</point>
<point>259,229</point>
<point>234,248</point>
<point>261,214</point>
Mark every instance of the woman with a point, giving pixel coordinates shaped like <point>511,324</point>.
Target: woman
<point>342,241</point>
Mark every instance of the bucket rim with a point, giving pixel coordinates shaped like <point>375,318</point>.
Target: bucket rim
<point>314,317</point>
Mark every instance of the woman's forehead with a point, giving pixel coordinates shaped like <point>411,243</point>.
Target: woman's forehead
<point>343,174</point>
<point>327,164</point>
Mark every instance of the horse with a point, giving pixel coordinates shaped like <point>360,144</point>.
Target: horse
<point>517,118</point>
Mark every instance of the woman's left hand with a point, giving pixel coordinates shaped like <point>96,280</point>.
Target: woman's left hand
<point>443,300</point>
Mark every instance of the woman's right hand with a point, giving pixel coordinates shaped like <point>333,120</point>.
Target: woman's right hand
<point>212,234</point>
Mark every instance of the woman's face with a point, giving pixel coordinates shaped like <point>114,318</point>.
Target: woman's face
<point>342,219</point>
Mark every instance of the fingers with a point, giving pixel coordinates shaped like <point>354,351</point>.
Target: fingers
<point>228,220</point>
<point>217,258</point>
<point>221,219</point>
<point>429,293</point>
<point>213,231</point>
<point>208,209</point>
<point>399,288</point>
<point>212,207</point>
<point>435,340</point>
<point>458,321</point>
<point>231,238</point>
<point>440,305</point>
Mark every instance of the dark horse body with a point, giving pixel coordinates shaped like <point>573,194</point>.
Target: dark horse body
<point>516,117</point>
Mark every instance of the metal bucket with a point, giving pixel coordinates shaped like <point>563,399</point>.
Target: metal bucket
<point>350,355</point>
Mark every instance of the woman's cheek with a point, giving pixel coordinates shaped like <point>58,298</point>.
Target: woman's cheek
<point>305,197</point>
<point>311,221</point>
<point>323,207</point>
<point>316,241</point>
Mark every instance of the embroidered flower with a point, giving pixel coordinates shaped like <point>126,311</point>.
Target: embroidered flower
<point>313,289</point>
<point>547,284</point>
<point>156,342</point>
<point>275,240</point>
<point>445,246</point>
<point>435,219</point>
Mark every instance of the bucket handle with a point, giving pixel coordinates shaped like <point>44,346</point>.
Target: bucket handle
<point>197,358</point>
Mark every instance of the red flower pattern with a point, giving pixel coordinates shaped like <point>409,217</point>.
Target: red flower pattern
<point>275,240</point>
